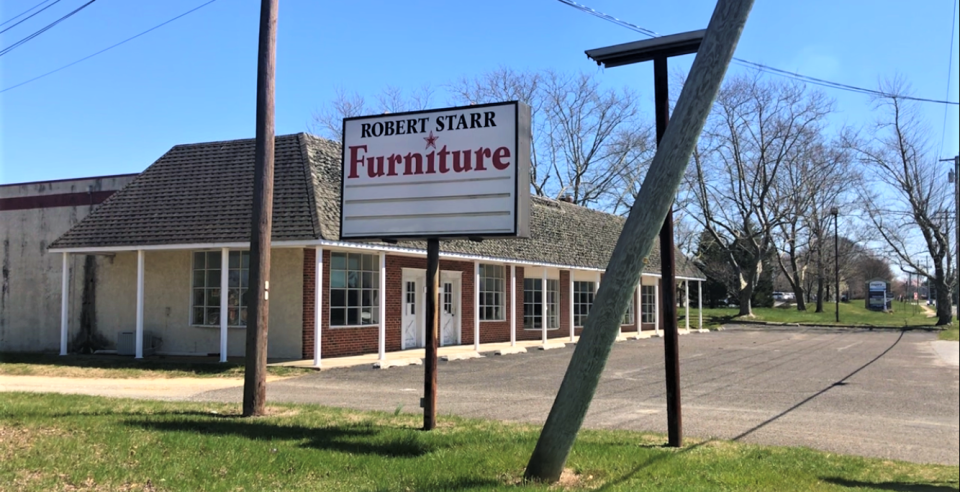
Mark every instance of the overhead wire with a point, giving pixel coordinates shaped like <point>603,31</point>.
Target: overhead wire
<point>44,29</point>
<point>29,16</point>
<point>759,66</point>
<point>108,48</point>
<point>24,12</point>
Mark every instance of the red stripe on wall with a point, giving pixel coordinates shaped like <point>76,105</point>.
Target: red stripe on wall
<point>59,200</point>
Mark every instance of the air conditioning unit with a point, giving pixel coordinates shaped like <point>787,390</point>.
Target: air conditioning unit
<point>127,343</point>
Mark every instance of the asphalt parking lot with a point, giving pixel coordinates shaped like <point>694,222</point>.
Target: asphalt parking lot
<point>873,393</point>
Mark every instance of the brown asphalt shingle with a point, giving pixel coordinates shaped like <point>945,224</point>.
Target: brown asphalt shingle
<point>202,193</point>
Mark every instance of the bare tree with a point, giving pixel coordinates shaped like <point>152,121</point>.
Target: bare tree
<point>907,192</point>
<point>328,121</point>
<point>758,129</point>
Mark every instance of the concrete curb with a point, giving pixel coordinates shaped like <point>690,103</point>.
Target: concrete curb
<point>510,351</point>
<point>551,346</point>
<point>813,325</point>
<point>386,364</point>
<point>463,356</point>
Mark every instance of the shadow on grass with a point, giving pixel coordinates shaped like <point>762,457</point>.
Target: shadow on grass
<point>902,487</point>
<point>462,483</point>
<point>199,365</point>
<point>650,462</point>
<point>358,438</point>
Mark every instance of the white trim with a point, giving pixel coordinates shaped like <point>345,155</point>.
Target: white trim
<point>513,305</point>
<point>543,306</point>
<point>700,303</point>
<point>65,305</point>
<point>686,303</point>
<point>476,305</point>
<point>570,308</point>
<point>318,307</point>
<point>638,316</point>
<point>224,297</point>
<point>139,333</point>
<point>340,245</point>
<point>656,309</point>
<point>383,307</point>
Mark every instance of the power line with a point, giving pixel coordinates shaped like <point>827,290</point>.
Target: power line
<point>24,12</point>
<point>44,29</point>
<point>953,27</point>
<point>759,66</point>
<point>29,16</point>
<point>108,48</point>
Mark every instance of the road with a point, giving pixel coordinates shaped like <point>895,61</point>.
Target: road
<point>873,393</point>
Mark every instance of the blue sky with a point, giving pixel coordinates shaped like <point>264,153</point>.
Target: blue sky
<point>194,80</point>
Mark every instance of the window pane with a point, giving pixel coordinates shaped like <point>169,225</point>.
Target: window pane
<point>338,280</point>
<point>375,315</point>
<point>353,261</point>
<point>245,297</point>
<point>370,262</point>
<point>198,299</point>
<point>213,297</point>
<point>198,278</point>
<point>198,258</point>
<point>353,279</point>
<point>234,277</point>
<point>338,261</point>
<point>338,317</point>
<point>213,316</point>
<point>234,259</point>
<point>367,280</point>
<point>198,316</point>
<point>233,318</point>
<point>243,316</point>
<point>213,278</point>
<point>245,259</point>
<point>353,298</point>
<point>244,278</point>
<point>213,259</point>
<point>366,315</point>
<point>338,298</point>
<point>367,298</point>
<point>353,316</point>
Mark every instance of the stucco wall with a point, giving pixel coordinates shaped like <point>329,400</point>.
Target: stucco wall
<point>31,218</point>
<point>166,312</point>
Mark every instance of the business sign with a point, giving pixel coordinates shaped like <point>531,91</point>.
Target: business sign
<point>875,285</point>
<point>445,173</point>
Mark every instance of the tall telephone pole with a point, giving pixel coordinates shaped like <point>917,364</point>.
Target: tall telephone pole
<point>254,376</point>
<point>956,197</point>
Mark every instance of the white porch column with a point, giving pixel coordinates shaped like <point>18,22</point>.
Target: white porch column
<point>318,308</point>
<point>543,306</point>
<point>65,305</point>
<point>686,302</point>
<point>596,288</point>
<point>139,336</point>
<point>383,306</point>
<point>513,305</point>
<point>700,302</point>
<point>476,305</point>
<point>570,305</point>
<point>224,296</point>
<point>639,319</point>
<point>656,307</point>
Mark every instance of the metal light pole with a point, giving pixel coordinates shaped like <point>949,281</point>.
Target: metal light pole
<point>955,179</point>
<point>834,211</point>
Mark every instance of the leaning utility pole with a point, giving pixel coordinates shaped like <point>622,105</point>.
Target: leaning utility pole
<point>636,241</point>
<point>956,197</point>
<point>254,376</point>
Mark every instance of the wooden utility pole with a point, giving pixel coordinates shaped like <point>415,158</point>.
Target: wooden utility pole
<point>254,377</point>
<point>636,241</point>
<point>433,335</point>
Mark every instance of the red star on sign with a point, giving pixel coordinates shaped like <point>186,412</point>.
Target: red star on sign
<point>431,141</point>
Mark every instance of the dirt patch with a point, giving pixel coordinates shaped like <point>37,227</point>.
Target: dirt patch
<point>16,440</point>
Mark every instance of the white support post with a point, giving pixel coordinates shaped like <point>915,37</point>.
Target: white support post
<point>383,307</point>
<point>65,305</point>
<point>570,305</point>
<point>543,307</point>
<point>139,335</point>
<point>596,288</point>
<point>700,303</point>
<point>476,306</point>
<point>656,307</point>
<point>318,308</point>
<point>639,319</point>
<point>513,305</point>
<point>224,296</point>
<point>686,303</point>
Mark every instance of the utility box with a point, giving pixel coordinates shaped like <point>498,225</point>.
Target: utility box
<point>127,343</point>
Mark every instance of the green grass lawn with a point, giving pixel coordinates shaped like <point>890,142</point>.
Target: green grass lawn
<point>126,367</point>
<point>952,334</point>
<point>851,314</point>
<point>60,442</point>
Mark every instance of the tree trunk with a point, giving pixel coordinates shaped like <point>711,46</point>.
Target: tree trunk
<point>798,295</point>
<point>820,294</point>
<point>745,294</point>
<point>944,311</point>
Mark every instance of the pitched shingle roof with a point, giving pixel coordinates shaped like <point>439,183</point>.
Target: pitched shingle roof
<point>202,193</point>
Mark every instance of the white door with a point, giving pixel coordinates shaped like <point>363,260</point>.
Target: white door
<point>411,333</point>
<point>449,309</point>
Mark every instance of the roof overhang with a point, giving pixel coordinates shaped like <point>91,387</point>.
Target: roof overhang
<point>683,43</point>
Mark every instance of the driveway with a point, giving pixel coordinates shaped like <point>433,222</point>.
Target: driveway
<point>873,393</point>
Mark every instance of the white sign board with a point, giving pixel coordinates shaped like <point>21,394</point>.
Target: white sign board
<point>875,285</point>
<point>446,173</point>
